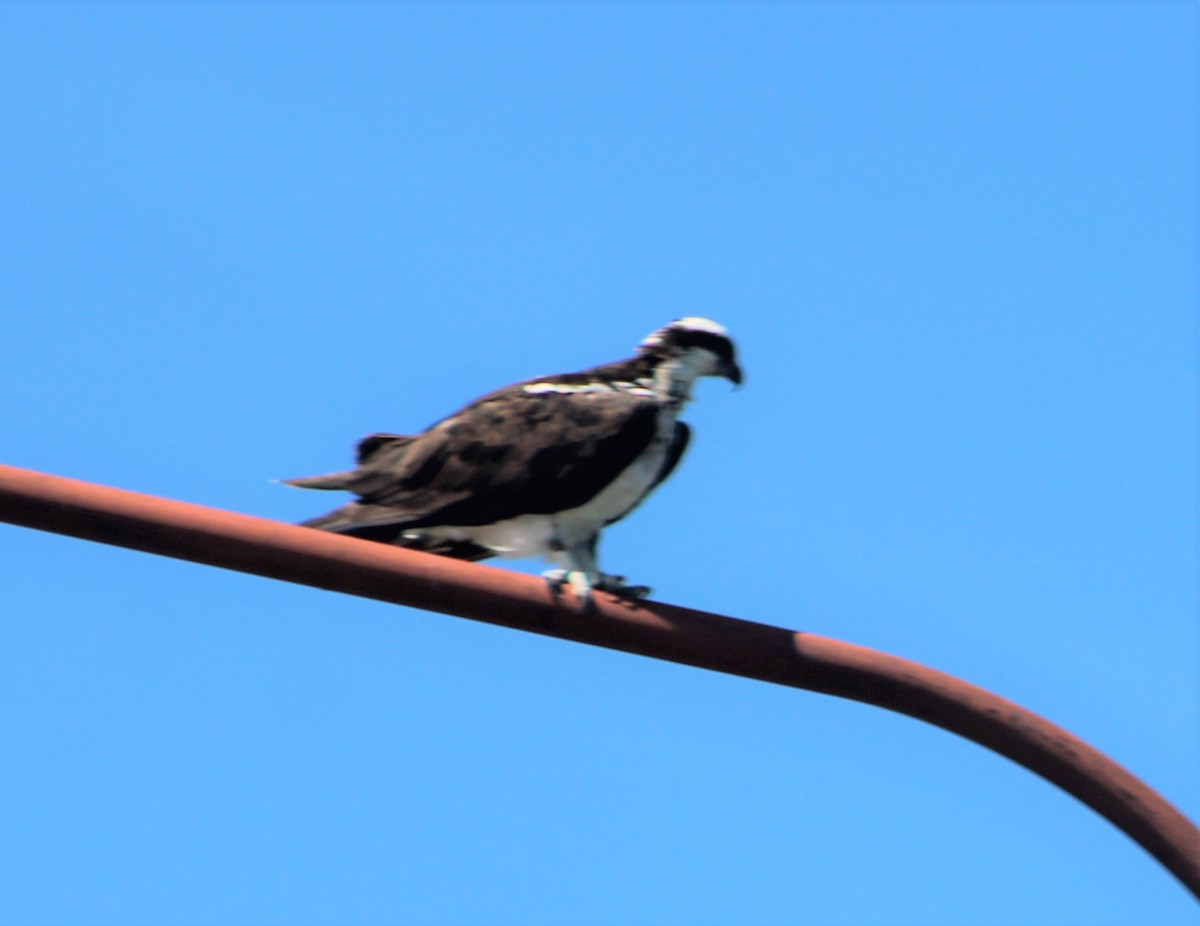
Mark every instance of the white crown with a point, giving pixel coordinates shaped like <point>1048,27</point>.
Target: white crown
<point>691,323</point>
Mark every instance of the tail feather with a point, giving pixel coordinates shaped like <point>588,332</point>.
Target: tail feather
<point>455,549</point>
<point>386,525</point>
<point>374,444</point>
<point>328,481</point>
<point>376,448</point>
<point>359,518</point>
<point>378,456</point>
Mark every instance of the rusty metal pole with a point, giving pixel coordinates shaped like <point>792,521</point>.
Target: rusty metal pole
<point>696,638</point>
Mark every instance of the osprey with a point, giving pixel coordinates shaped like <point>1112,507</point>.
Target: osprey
<point>538,468</point>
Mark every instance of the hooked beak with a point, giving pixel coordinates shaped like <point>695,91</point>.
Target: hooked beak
<point>731,371</point>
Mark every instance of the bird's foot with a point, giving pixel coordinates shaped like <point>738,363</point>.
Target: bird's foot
<point>615,585</point>
<point>581,583</point>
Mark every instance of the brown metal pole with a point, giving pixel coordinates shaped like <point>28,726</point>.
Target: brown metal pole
<point>697,638</point>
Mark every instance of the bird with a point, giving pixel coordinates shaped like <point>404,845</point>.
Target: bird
<point>538,468</point>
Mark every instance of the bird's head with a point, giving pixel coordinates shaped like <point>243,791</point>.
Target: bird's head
<point>687,349</point>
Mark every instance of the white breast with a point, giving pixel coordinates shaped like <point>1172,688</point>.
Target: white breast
<point>545,535</point>
<point>616,500</point>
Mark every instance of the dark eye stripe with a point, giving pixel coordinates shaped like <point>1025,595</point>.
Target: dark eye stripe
<point>720,346</point>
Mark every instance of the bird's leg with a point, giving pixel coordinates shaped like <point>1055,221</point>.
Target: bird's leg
<point>581,583</point>
<point>613,584</point>
<point>555,578</point>
<point>578,570</point>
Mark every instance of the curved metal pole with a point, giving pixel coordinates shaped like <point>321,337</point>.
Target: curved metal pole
<point>697,638</point>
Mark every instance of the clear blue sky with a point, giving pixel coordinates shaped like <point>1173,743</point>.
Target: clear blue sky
<point>956,244</point>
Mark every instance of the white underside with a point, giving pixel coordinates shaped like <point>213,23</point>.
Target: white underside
<point>559,537</point>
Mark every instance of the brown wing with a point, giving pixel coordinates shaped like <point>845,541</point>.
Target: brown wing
<point>513,452</point>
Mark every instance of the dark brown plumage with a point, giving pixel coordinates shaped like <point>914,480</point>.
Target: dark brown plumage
<point>536,468</point>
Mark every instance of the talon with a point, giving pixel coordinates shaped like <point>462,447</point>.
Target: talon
<point>615,585</point>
